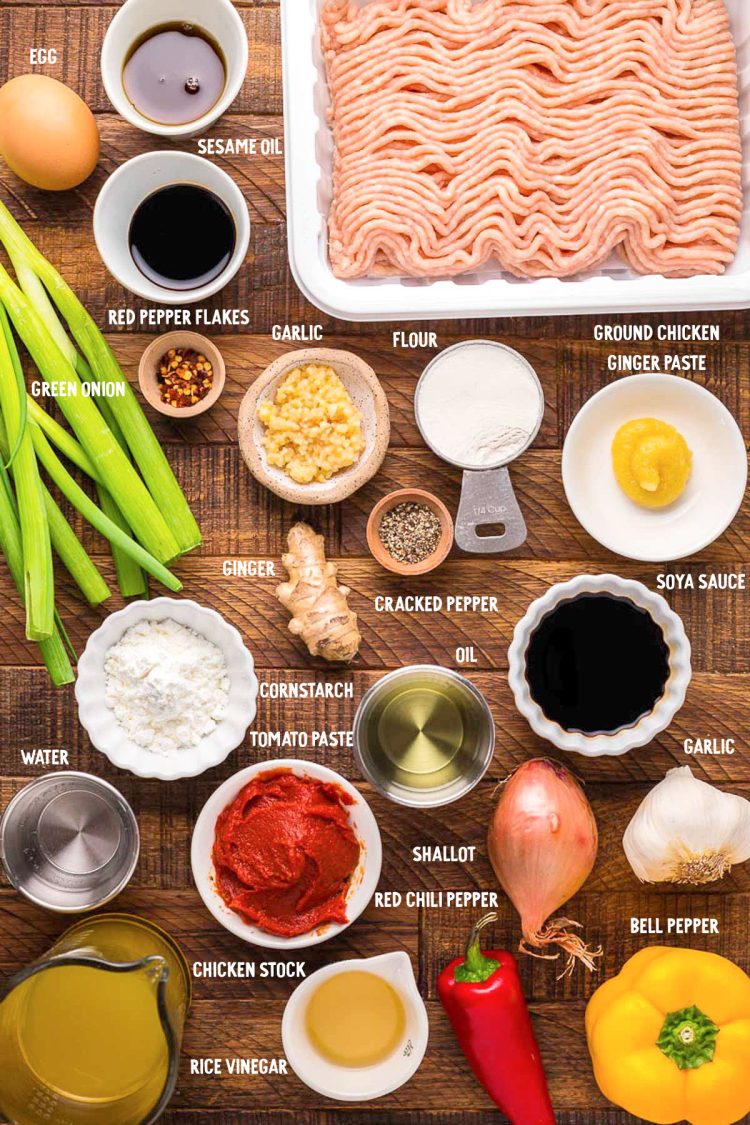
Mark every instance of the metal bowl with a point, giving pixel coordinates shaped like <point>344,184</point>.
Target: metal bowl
<point>476,749</point>
<point>69,842</point>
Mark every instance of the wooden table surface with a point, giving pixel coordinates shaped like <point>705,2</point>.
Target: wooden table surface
<point>241,520</point>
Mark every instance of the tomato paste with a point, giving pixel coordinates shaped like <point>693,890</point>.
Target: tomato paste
<point>285,852</point>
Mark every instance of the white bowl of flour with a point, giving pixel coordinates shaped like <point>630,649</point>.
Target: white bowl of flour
<point>166,689</point>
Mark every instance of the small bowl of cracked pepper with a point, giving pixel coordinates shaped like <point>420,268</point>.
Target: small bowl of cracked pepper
<point>410,531</point>
<point>182,374</point>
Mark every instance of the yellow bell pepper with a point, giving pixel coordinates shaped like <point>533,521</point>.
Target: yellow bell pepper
<point>670,1037</point>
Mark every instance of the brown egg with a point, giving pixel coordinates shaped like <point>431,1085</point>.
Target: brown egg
<point>48,136</point>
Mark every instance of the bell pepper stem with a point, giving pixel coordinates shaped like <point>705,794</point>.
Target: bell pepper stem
<point>688,1038</point>
<point>477,966</point>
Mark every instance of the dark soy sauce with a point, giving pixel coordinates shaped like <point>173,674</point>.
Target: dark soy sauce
<point>182,237</point>
<point>597,664</point>
<point>174,74</point>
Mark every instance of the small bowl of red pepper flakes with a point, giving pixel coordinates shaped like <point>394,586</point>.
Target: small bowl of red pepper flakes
<point>182,374</point>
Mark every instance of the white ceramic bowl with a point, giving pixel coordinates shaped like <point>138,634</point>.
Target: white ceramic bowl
<point>714,492</point>
<point>136,18</point>
<point>363,884</point>
<point>109,737</point>
<point>124,192</point>
<point>358,1084</point>
<point>620,742</point>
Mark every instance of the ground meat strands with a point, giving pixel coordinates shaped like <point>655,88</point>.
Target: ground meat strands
<point>540,137</point>
<point>410,533</point>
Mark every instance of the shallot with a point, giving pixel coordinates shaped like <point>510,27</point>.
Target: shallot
<point>542,844</point>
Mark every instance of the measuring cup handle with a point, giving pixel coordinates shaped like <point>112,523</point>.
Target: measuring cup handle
<point>486,498</point>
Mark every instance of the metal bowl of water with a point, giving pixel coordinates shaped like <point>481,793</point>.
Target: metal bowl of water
<point>69,842</point>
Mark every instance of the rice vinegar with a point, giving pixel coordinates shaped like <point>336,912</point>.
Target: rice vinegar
<point>355,1019</point>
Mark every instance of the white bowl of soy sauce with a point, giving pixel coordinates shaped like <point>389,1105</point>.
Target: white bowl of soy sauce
<point>599,665</point>
<point>173,67</point>
<point>172,227</point>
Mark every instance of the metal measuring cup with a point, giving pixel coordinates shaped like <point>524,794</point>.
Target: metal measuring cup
<point>69,841</point>
<point>487,494</point>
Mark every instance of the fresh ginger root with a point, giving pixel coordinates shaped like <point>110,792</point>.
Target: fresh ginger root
<point>318,605</point>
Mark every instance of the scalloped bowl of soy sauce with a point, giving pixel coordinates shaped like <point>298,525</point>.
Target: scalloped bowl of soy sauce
<point>600,665</point>
<point>172,227</point>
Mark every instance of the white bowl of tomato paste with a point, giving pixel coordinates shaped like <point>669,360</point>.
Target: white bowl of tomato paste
<point>286,854</point>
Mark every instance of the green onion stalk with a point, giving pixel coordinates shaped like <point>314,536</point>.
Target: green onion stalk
<point>53,651</point>
<point>130,578</point>
<point>73,555</point>
<point>37,570</point>
<point>66,545</point>
<point>61,438</point>
<point>98,357</point>
<point>57,472</point>
<point>116,472</point>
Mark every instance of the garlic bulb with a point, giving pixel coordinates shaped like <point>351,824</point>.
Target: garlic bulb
<point>686,831</point>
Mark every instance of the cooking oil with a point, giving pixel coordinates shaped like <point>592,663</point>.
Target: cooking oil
<point>420,732</point>
<point>424,735</point>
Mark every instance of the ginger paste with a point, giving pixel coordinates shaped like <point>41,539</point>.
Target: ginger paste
<point>313,429</point>
<point>652,462</point>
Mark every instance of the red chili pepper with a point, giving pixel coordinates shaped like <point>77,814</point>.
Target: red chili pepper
<point>482,996</point>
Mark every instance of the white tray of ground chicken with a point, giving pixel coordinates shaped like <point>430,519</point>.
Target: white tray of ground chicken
<point>463,158</point>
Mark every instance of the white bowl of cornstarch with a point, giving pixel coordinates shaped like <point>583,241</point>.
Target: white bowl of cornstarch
<point>473,181</point>
<point>166,689</point>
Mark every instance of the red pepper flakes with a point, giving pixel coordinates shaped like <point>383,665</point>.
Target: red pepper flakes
<point>185,377</point>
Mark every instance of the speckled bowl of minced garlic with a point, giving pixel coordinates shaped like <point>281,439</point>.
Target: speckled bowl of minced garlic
<point>314,426</point>
<point>654,467</point>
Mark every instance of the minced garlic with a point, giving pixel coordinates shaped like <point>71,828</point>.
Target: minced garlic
<point>313,429</point>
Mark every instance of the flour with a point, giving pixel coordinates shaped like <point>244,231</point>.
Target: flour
<point>479,405</point>
<point>167,685</point>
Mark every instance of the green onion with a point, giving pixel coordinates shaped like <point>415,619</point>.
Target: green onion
<point>116,472</point>
<point>60,437</point>
<point>142,441</point>
<point>130,578</point>
<point>67,643</point>
<point>20,384</point>
<point>38,573</point>
<point>88,509</point>
<point>39,298</point>
<point>53,650</point>
<point>66,545</point>
<point>72,554</point>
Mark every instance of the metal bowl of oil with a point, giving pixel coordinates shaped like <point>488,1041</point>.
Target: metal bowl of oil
<point>424,736</point>
<point>69,842</point>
